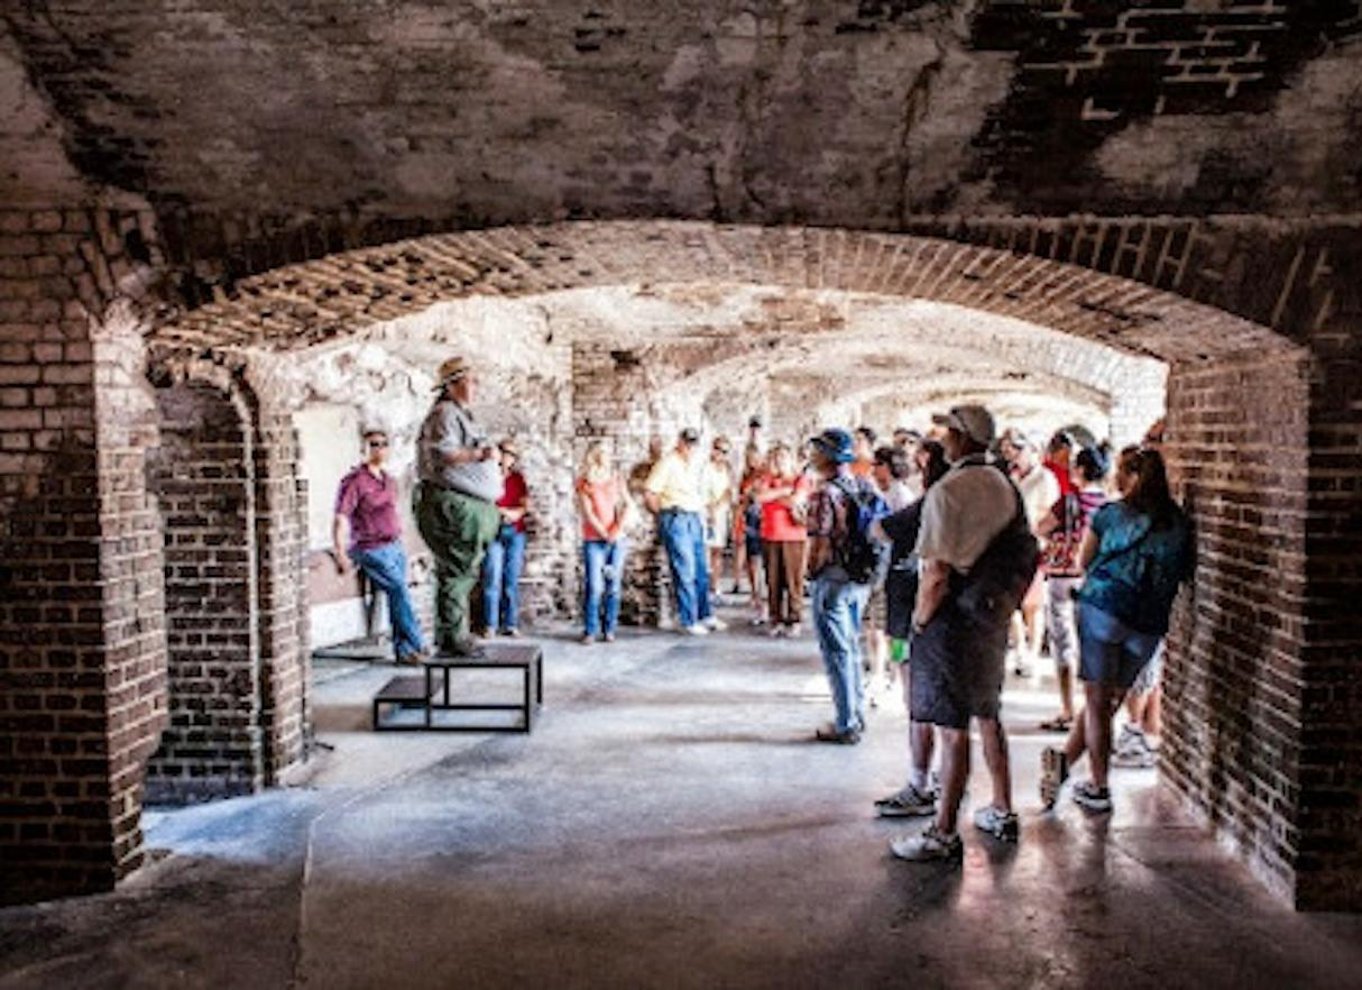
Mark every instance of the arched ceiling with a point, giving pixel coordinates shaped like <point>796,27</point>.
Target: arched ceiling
<point>814,111</point>
<point>680,266</point>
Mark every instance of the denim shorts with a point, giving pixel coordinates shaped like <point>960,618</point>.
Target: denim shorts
<point>1110,652</point>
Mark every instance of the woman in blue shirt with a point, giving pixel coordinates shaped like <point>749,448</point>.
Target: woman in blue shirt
<point>1136,554</point>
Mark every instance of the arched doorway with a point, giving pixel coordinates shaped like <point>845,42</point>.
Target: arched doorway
<point>1238,398</point>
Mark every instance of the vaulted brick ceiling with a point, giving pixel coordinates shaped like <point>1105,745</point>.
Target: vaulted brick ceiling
<point>854,113</point>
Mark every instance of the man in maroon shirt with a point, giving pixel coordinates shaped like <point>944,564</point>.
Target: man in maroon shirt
<point>366,505</point>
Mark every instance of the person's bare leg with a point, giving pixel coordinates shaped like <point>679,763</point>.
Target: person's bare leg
<point>1152,720</point>
<point>954,774</point>
<point>1077,742</point>
<point>1103,703</point>
<point>1033,620</point>
<point>996,758</point>
<point>1065,676</point>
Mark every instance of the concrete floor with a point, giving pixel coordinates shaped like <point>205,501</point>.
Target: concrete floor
<point>669,823</point>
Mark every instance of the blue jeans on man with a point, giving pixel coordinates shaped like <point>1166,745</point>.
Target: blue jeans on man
<point>838,607</point>
<point>604,565</point>
<point>501,569</point>
<point>386,568</point>
<point>683,535</point>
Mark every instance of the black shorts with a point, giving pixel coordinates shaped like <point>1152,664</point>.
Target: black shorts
<point>900,594</point>
<point>957,668</point>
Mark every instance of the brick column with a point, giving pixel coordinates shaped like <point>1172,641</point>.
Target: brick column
<point>81,634</point>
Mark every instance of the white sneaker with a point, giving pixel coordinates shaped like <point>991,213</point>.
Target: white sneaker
<point>928,846</point>
<point>997,823</point>
<point>695,630</point>
<point>716,624</point>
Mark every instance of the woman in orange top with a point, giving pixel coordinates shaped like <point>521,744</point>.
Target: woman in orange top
<point>605,505</point>
<point>782,495</point>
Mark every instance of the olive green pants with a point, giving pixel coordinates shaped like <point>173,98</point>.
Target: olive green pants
<point>458,529</point>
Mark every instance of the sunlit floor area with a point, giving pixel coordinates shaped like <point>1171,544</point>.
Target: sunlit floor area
<point>668,823</point>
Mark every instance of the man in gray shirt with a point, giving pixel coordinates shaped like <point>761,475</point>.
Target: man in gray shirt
<point>456,510</point>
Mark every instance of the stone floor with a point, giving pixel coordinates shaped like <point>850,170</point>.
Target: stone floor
<point>668,823</point>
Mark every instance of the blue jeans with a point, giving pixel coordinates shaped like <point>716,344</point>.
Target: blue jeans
<point>501,579</point>
<point>386,569</point>
<point>604,564</point>
<point>1110,652</point>
<point>683,534</point>
<point>838,606</point>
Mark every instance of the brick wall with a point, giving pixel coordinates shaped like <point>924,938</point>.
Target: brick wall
<point>204,481</point>
<point>81,634</point>
<point>1236,673</point>
<point>1330,866</point>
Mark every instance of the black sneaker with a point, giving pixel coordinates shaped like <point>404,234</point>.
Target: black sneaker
<point>1090,797</point>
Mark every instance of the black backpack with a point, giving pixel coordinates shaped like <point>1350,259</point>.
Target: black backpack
<point>863,558</point>
<point>997,583</point>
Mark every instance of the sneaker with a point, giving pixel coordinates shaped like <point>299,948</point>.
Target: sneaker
<point>716,624</point>
<point>759,619</point>
<point>775,632</point>
<point>587,639</point>
<point>1134,753</point>
<point>695,630</point>
<point>997,823</point>
<point>1090,797</point>
<point>929,846</point>
<point>907,803</point>
<point>415,658</point>
<point>829,734</point>
<point>1054,770</point>
<point>609,637</point>
<point>510,631</point>
<point>793,629</point>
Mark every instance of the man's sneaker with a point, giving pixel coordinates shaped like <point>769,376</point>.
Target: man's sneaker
<point>907,803</point>
<point>716,624</point>
<point>997,823</point>
<point>696,630</point>
<point>793,629</point>
<point>829,734</point>
<point>1090,797</point>
<point>1054,770</point>
<point>929,846</point>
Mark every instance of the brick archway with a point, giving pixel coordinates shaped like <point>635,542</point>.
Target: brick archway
<point>1238,401</point>
<point>237,651</point>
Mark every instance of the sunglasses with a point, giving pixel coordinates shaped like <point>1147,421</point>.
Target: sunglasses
<point>378,443</point>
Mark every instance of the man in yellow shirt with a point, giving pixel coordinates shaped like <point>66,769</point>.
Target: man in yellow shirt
<point>675,493</point>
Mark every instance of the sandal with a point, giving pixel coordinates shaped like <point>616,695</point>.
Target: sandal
<point>1060,723</point>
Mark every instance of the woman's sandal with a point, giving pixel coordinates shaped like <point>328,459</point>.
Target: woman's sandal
<point>1060,723</point>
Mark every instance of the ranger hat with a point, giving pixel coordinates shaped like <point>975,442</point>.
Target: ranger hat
<point>451,370</point>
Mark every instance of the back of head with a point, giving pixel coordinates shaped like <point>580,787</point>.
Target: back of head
<point>934,463</point>
<point>1092,464</point>
<point>1149,494</point>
